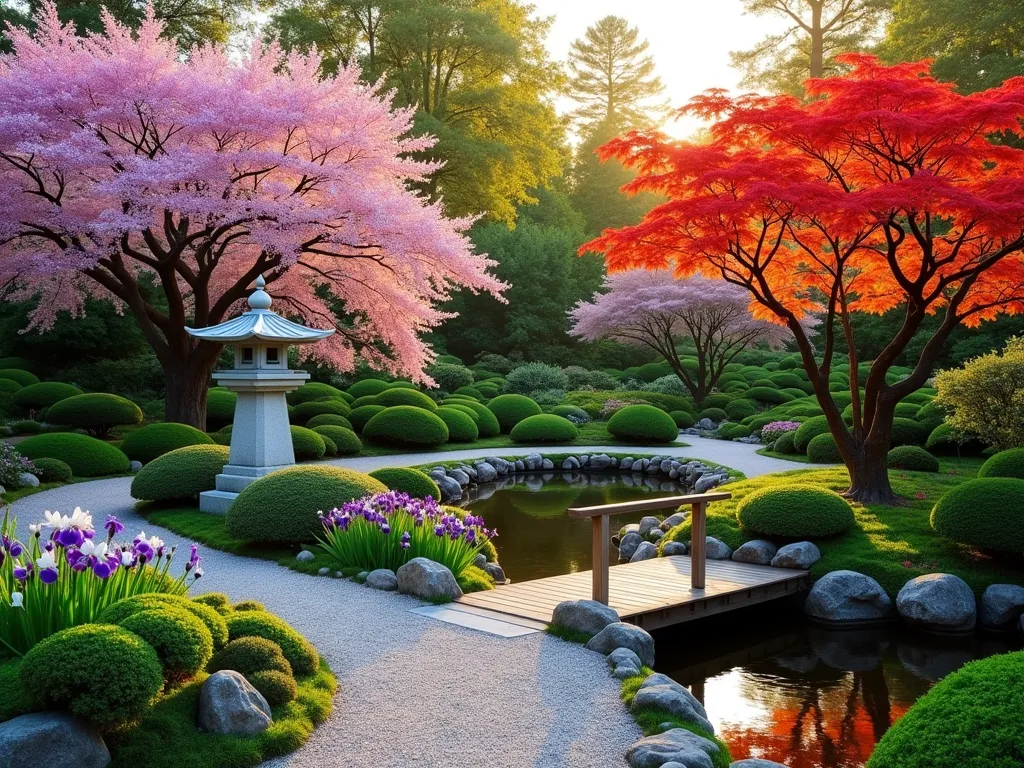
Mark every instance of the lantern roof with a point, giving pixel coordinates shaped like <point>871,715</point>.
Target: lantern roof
<point>260,324</point>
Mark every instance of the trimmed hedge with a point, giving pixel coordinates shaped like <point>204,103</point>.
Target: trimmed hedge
<point>359,402</point>
<point>181,641</point>
<point>298,650</point>
<point>52,471</point>
<point>472,392</point>
<point>313,390</point>
<point>987,513</point>
<point>44,394</point>
<point>329,420</point>
<point>731,431</point>
<point>462,427</point>
<point>912,458</point>
<point>183,473</point>
<point>155,440</point>
<point>487,422</point>
<point>717,415</point>
<point>460,405</point>
<point>408,480</point>
<point>276,687</point>
<point>282,506</point>
<point>1004,464</point>
<point>795,511</point>
<point>544,428</point>
<point>367,387</point>
<point>406,425</point>
<point>307,444</point>
<point>363,414</point>
<point>814,426</point>
<point>87,456</point>
<point>945,442</point>
<point>767,395</point>
<point>97,413</point>
<point>907,432</point>
<point>784,443</point>
<point>565,411</point>
<point>643,423</point>
<point>346,442</point>
<point>303,412</point>
<point>405,396</point>
<point>683,419</point>
<point>220,408</point>
<point>247,655</point>
<point>509,410</point>
<point>23,377</point>
<point>211,618</point>
<point>740,409</point>
<point>823,450</point>
<point>970,719</point>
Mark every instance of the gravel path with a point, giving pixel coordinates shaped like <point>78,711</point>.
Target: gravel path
<point>416,692</point>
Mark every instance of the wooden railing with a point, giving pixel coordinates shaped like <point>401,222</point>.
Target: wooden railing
<point>601,532</point>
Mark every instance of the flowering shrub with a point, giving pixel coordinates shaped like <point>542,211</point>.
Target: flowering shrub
<point>12,464</point>
<point>610,407</point>
<point>772,431</point>
<point>68,577</point>
<point>389,529</point>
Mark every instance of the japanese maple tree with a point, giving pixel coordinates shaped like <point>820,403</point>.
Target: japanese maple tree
<point>882,191</point>
<point>168,183</point>
<point>653,308</point>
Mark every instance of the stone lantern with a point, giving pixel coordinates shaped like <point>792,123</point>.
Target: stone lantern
<point>261,440</point>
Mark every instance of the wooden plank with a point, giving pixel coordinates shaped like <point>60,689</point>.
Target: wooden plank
<point>600,538</point>
<point>698,540</point>
<point>647,505</point>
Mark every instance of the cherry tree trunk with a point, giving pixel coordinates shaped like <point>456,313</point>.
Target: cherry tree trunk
<point>186,392</point>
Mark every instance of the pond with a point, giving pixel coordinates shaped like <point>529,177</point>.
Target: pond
<point>775,686</point>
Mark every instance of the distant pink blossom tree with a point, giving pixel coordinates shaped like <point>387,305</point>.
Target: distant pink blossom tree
<point>124,166</point>
<point>652,308</point>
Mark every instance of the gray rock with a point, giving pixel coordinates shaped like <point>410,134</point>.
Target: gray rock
<point>653,468</point>
<point>533,461</point>
<point>469,471</point>
<point>324,572</point>
<point>622,635</point>
<point>305,556</point>
<point>656,535</point>
<point>570,463</point>
<point>2,490</point>
<point>450,488</point>
<point>1001,606</point>
<point>676,518</point>
<point>648,524</point>
<point>28,480</point>
<point>360,577</point>
<point>621,656</point>
<point>460,477</point>
<point>427,580</point>
<point>547,464</point>
<point>716,549</point>
<point>480,560</point>
<point>675,548</point>
<point>438,474</point>
<point>625,671</point>
<point>496,572</point>
<point>340,575</point>
<point>628,545</point>
<point>802,554</point>
<point>601,462</point>
<point>629,527</point>
<point>583,459</point>
<point>134,466</point>
<point>626,464</point>
<point>706,483</point>
<point>500,465</point>
<point>665,694</point>
<point>587,616</point>
<point>842,596</point>
<point>383,579</point>
<point>666,465</point>
<point>754,762</point>
<point>678,745</point>
<point>757,551</point>
<point>645,551</point>
<point>230,706</point>
<point>56,738</point>
<point>705,423</point>
<point>937,601</point>
<point>485,473</point>
<point>520,465</point>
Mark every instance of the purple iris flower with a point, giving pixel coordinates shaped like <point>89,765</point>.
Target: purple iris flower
<point>69,537</point>
<point>406,538</point>
<point>113,526</point>
<point>142,548</point>
<point>48,575</point>
<point>102,568</point>
<point>15,548</point>
<point>20,572</point>
<point>385,528</point>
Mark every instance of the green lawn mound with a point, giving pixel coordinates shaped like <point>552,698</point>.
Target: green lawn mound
<point>795,511</point>
<point>544,428</point>
<point>87,456</point>
<point>987,513</point>
<point>408,480</point>
<point>150,442</point>
<point>1004,464</point>
<point>183,473</point>
<point>643,423</point>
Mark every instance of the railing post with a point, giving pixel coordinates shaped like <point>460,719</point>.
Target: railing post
<point>698,537</point>
<point>600,556</point>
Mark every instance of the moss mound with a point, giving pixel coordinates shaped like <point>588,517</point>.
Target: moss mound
<point>810,429</point>
<point>181,641</point>
<point>406,425</point>
<point>462,427</point>
<point>97,413</point>
<point>945,442</point>
<point>913,458</point>
<point>683,419</point>
<point>248,655</point>
<point>298,650</point>
<point>307,444</point>
<point>986,513</point>
<point>1004,464</point>
<point>544,428</point>
<point>183,473</point>
<point>715,414</point>
<point>795,511</point>
<point>487,422</point>
<point>732,431</point>
<point>329,420</point>
<point>643,423</point>
<point>767,395</point>
<point>313,390</point>
<point>346,442</point>
<point>405,396</point>
<point>784,443</point>
<point>367,387</point>
<point>282,507</point>
<point>363,414</point>
<point>220,408</point>
<point>52,471</point>
<point>87,456</point>
<point>303,412</point>
<point>129,606</point>
<point>907,432</point>
<point>155,440</point>
<point>44,394</point>
<point>408,480</point>
<point>823,450</point>
<point>509,410</point>
<point>740,409</point>
<point>19,375</point>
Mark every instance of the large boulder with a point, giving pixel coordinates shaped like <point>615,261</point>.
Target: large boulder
<point>622,635</point>
<point>496,572</point>
<point>56,738</point>
<point>427,580</point>
<point>628,545</point>
<point>848,596</point>
<point>645,551</point>
<point>1001,606</point>
<point>230,706</point>
<point>383,579</point>
<point>449,487</point>
<point>648,524</point>
<point>757,551</point>
<point>716,549</point>
<point>665,694</point>
<point>939,602</point>
<point>485,472</point>
<point>677,745</point>
<point>801,555</point>
<point>588,616</point>
<point>675,548</point>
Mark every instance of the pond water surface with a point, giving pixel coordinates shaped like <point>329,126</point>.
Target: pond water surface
<point>774,686</point>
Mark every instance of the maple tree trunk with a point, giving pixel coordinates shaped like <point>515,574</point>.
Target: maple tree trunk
<point>869,474</point>
<point>186,383</point>
<point>817,67</point>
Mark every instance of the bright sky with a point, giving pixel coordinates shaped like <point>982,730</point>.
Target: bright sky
<point>689,40</point>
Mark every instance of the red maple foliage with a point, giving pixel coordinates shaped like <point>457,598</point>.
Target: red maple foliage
<point>887,189</point>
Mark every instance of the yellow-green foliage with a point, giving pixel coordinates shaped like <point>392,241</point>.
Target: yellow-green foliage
<point>408,480</point>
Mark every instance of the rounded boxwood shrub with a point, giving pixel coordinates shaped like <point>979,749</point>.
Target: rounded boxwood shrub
<point>249,654</point>
<point>313,390</point>
<point>216,600</point>
<point>183,473</point>
<point>408,480</point>
<point>307,444</point>
<point>44,394</point>
<point>717,400</point>
<point>52,471</point>
<point>401,384</point>
<point>823,450</point>
<point>509,410</point>
<point>930,416</point>
<point>87,456</point>
<point>814,426</point>
<point>283,506</point>
<point>472,392</point>
<point>795,511</point>
<point>298,650</point>
<point>970,719</point>
<point>407,425</point>
<point>460,405</point>
<point>359,402</point>
<point>986,513</point>
<point>277,687</point>
<point>129,606</point>
<point>346,442</point>
<point>181,641</point>
<point>363,414</point>
<point>643,423</point>
<point>407,397</point>
<point>945,442</point>
<point>367,387</point>
<point>462,427</point>
<point>907,410</point>
<point>330,447</point>
<point>913,458</point>
<point>13,361</point>
<point>567,411</point>
<point>784,443</point>
<point>544,428</point>
<point>487,422</point>
<point>785,380</point>
<point>328,420</point>
<point>740,409</point>
<point>767,395</point>
<point>155,440</point>
<point>249,605</point>
<point>303,412</point>
<point>97,413</point>
<point>220,408</point>
<point>19,375</point>
<point>1004,464</point>
<point>732,431</point>
<point>683,419</point>
<point>715,414</point>
<point>907,432</point>
<point>99,672</point>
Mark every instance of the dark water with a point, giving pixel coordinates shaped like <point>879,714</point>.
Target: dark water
<point>774,686</point>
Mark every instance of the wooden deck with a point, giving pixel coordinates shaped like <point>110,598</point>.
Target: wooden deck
<point>650,593</point>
